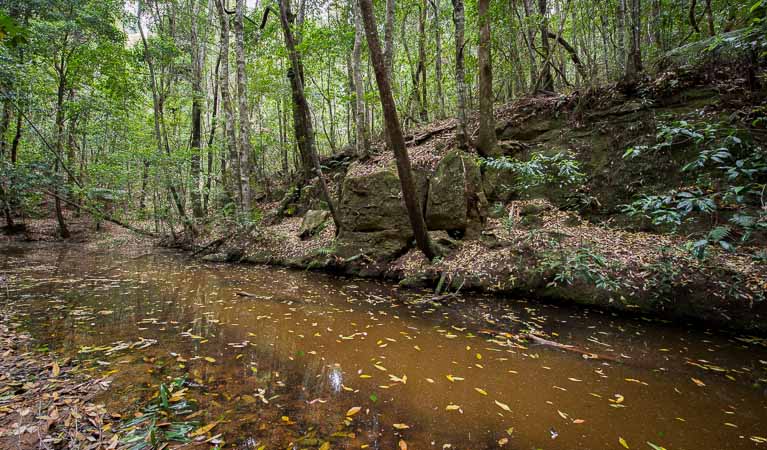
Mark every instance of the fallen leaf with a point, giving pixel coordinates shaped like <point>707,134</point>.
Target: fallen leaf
<point>352,411</point>
<point>400,426</point>
<point>503,406</point>
<point>55,370</point>
<point>204,429</point>
<point>623,442</point>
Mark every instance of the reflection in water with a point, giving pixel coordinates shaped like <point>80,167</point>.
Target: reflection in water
<point>287,364</point>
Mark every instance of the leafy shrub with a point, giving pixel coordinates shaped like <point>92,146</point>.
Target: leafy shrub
<point>561,169</point>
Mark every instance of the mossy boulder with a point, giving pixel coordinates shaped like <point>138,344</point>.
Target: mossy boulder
<point>378,246</point>
<point>456,200</point>
<point>372,201</point>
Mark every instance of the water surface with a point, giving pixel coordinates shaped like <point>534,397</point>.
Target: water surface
<point>282,368</point>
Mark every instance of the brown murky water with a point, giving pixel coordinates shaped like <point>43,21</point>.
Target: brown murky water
<point>285,366</point>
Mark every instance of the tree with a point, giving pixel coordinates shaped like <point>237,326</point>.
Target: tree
<point>486,142</point>
<point>634,63</point>
<point>545,81</point>
<point>196,59</point>
<point>394,132</point>
<point>302,106</point>
<point>462,135</point>
<point>359,89</point>
<point>246,150</point>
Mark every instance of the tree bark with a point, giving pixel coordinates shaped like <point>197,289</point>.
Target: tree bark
<point>212,136</point>
<point>634,63</point>
<point>61,71</point>
<point>459,21</point>
<point>486,142</point>
<point>546,81</point>
<point>303,108</point>
<point>621,40</point>
<point>421,70</point>
<point>246,151</point>
<point>359,89</point>
<point>394,131</point>
<point>197,96</point>
<point>531,43</point>
<point>232,181</point>
<point>389,36</point>
<point>710,18</point>
<point>438,60</point>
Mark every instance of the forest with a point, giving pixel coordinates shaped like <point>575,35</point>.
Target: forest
<point>238,223</point>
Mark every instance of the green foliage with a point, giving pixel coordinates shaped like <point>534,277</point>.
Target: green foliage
<point>561,169</point>
<point>155,427</point>
<point>732,175</point>
<point>582,265</point>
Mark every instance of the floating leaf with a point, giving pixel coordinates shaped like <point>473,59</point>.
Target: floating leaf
<point>402,445</point>
<point>453,379</point>
<point>352,411</point>
<point>481,391</point>
<point>401,426</point>
<point>698,382</point>
<point>204,429</point>
<point>623,442</point>
<point>209,359</point>
<point>503,406</point>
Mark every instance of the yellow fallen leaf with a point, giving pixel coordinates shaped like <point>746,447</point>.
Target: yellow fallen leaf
<point>402,445</point>
<point>453,379</point>
<point>325,446</point>
<point>379,367</point>
<point>562,415</point>
<point>55,370</point>
<point>481,391</point>
<point>204,429</point>
<point>362,375</point>
<point>352,411</point>
<point>698,382</point>
<point>503,406</point>
<point>209,359</point>
<point>401,426</point>
<point>623,442</point>
<point>430,380</point>
<point>578,421</point>
<point>452,407</point>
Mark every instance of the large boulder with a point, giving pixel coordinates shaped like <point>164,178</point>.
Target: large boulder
<point>456,200</point>
<point>312,223</point>
<point>372,202</point>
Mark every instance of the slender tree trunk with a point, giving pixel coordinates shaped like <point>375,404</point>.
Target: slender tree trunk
<point>359,89</point>
<point>232,181</point>
<point>546,82</point>
<point>462,135</point>
<point>421,70</point>
<point>710,18</point>
<point>531,44</point>
<point>61,71</point>
<point>5,190</point>
<point>212,136</point>
<point>634,63</point>
<point>389,35</point>
<point>246,151</point>
<point>438,60</point>
<point>5,122</point>
<point>394,131</point>
<point>621,38</point>
<point>197,97</point>
<point>657,36</point>
<point>486,142</point>
<point>303,108</point>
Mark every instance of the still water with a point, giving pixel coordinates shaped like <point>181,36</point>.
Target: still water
<point>287,365</point>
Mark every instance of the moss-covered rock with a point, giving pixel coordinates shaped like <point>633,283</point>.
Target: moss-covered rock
<point>313,223</point>
<point>456,200</point>
<point>378,246</point>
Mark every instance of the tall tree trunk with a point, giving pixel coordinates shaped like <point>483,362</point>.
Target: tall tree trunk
<point>232,181</point>
<point>486,141</point>
<point>421,70</point>
<point>389,35</point>
<point>394,131</point>
<point>246,151</point>
<point>634,63</point>
<point>197,98</point>
<point>5,122</point>
<point>657,36</point>
<point>359,89</point>
<point>621,38</point>
<point>531,43</point>
<point>303,108</point>
<point>710,18</point>
<point>5,193</point>
<point>462,135</point>
<point>212,136</point>
<point>546,82</point>
<point>438,60</point>
<point>62,76</point>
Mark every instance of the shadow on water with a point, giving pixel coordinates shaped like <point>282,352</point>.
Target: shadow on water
<point>288,363</point>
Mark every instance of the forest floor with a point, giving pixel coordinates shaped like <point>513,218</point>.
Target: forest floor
<point>46,402</point>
